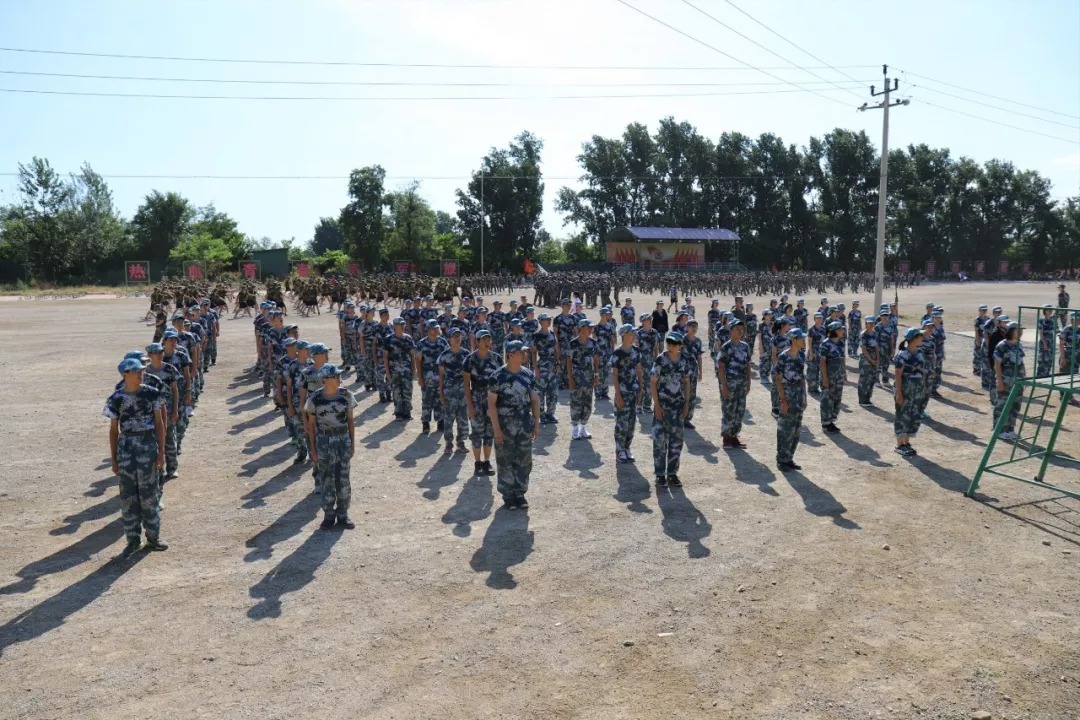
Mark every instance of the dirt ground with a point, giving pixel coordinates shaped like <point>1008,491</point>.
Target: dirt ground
<point>865,586</point>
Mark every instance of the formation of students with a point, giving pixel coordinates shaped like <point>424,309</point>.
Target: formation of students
<point>149,414</point>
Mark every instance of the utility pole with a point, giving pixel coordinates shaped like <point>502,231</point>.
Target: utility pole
<point>885,104</point>
<point>481,222</point>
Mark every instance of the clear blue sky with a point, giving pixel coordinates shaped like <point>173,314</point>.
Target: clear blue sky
<point>1026,50</point>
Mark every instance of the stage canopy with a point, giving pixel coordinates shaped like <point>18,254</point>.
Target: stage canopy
<point>669,235</point>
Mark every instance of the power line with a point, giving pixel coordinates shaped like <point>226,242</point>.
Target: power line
<point>718,50</point>
<point>996,122</point>
<point>343,63</point>
<point>404,98</point>
<point>995,97</point>
<point>366,83</point>
<point>748,39</point>
<point>997,107</point>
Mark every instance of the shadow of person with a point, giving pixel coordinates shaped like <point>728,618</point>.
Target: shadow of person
<point>422,446</point>
<point>582,459</point>
<point>98,487</point>
<point>66,558</point>
<point>240,397</point>
<point>633,488</point>
<point>257,496</point>
<point>695,444</point>
<point>751,472</point>
<point>292,574</point>
<point>473,504</point>
<point>819,501</point>
<point>959,405</point>
<point>103,509</point>
<point>53,612</point>
<point>274,457</point>
<point>372,412</point>
<point>443,473</point>
<point>384,434</point>
<point>878,412</point>
<point>945,478</point>
<point>953,433</point>
<point>548,435</point>
<point>507,542</point>
<point>251,404</point>
<point>858,451</point>
<point>275,437</point>
<point>683,522</point>
<point>255,422</point>
<point>288,525</point>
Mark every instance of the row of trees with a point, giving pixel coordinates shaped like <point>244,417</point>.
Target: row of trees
<point>810,207</point>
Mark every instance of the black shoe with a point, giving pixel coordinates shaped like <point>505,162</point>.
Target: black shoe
<point>345,522</point>
<point>131,548</point>
<point>673,480</point>
<point>794,466</point>
<point>522,503</point>
<point>936,395</point>
<point>439,426</point>
<point>448,449</point>
<point>830,428</point>
<point>689,425</point>
<point>661,481</point>
<point>426,428</point>
<point>510,503</point>
<point>328,522</point>
<point>156,543</point>
<point>784,466</point>
<point>487,468</point>
<point>478,468</point>
<point>461,449</point>
<point>300,459</point>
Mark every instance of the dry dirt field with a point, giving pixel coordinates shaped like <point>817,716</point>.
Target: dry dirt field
<point>748,594</point>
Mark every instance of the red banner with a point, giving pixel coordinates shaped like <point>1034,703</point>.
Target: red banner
<point>249,270</point>
<point>402,267</point>
<point>905,266</point>
<point>353,268</point>
<point>529,267</point>
<point>931,268</point>
<point>194,272</point>
<point>980,268</point>
<point>1003,267</point>
<point>450,268</point>
<point>302,269</point>
<point>138,271</point>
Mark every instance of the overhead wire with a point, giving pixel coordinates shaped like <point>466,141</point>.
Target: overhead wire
<point>995,107</point>
<point>718,50</point>
<point>997,122</point>
<point>721,23</point>
<point>993,97</point>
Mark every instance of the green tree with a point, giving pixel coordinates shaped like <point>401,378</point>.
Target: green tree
<point>210,221</point>
<point>96,229</point>
<point>35,230</point>
<point>363,226</point>
<point>161,223</point>
<point>412,226</point>
<point>327,236</point>
<point>203,248</point>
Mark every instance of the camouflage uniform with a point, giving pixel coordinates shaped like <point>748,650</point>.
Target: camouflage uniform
<point>180,360</point>
<point>886,342</point>
<point>513,456</point>
<point>735,357</point>
<point>565,328</point>
<point>854,339</point>
<point>779,343</point>
<point>169,375</point>
<point>692,351</point>
<point>603,334</point>
<point>868,372</point>
<point>939,355</point>
<point>976,355</point>
<point>626,363</point>
<point>1011,356</point>
<point>295,374</point>
<point>1044,360</point>
<point>581,397</point>
<point>832,351</point>
<point>765,361</point>
<point>547,378</point>
<point>667,432</point>
<point>815,336</point>
<point>350,340</point>
<point>453,389</point>
<point>136,455</point>
<point>312,382</point>
<point>790,369</point>
<point>908,417</point>
<point>481,371</point>
<point>647,341</point>
<point>927,354</point>
<point>399,350</point>
<point>497,324</point>
<point>430,351</point>
<point>334,447</point>
<point>380,334</point>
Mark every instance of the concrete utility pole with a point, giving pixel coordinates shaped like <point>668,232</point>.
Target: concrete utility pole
<point>885,104</point>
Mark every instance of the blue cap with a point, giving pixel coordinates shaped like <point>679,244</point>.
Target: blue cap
<point>177,316</point>
<point>606,310</point>
<point>496,302</point>
<point>795,334</point>
<point>735,323</point>
<point>784,320</point>
<point>927,323</point>
<point>627,328</point>
<point>818,315</point>
<point>482,334</point>
<point>264,304</point>
<point>544,316</point>
<point>800,301</point>
<point>329,371</point>
<point>682,313</point>
<point>674,338</point>
<point>384,311</point>
<point>835,325</point>
<point>155,349</point>
<point>749,305</point>
<point>481,309</point>
<point>317,348</point>
<point>854,303</point>
<point>997,308</point>
<point>691,322</point>
<point>129,365</point>
<point>399,321</point>
<point>137,355</point>
<point>983,307</point>
<point>302,345</point>
<point>429,296</point>
<point>455,331</point>
<point>884,313</point>
<point>825,300</point>
<point>530,309</point>
<point>350,304</point>
<point>289,341</point>
<point>516,322</point>
<point>930,305</point>
<point>431,324</point>
<point>1003,318</point>
<point>170,334</point>
<point>1011,325</point>
<point>644,316</point>
<point>912,333</point>
<point>1046,306</point>
<point>515,346</point>
<point>565,301</point>
<point>584,322</point>
<point>448,306</point>
<point>937,313</point>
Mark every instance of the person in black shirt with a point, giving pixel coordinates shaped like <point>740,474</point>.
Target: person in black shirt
<point>659,319</point>
<point>996,336</point>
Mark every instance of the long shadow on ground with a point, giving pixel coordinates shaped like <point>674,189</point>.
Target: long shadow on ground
<point>819,501</point>
<point>292,574</point>
<point>65,559</point>
<point>507,542</point>
<point>473,504</point>
<point>683,522</point>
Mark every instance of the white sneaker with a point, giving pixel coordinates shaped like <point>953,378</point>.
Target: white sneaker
<point>585,434</point>
<point>574,432</point>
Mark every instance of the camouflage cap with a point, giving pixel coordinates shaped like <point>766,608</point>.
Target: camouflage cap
<point>329,371</point>
<point>674,338</point>
<point>319,349</point>
<point>155,349</point>
<point>129,365</point>
<point>627,328</point>
<point>399,321</point>
<point>431,324</point>
<point>483,334</point>
<point>544,316</point>
<point>515,346</point>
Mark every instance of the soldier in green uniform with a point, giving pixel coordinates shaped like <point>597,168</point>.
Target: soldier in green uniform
<point>331,436</point>
<point>428,352</point>
<point>452,392</point>
<point>733,371</point>
<point>514,409</point>
<point>790,375</point>
<point>670,390</point>
<point>627,377</point>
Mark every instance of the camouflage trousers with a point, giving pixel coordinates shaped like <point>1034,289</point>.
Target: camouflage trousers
<point>267,383</point>
<point>765,368</point>
<point>939,369</point>
<point>813,375</point>
<point>382,382</point>
<point>646,394</point>
<point>401,389</point>
<point>547,388</point>
<point>1044,363</point>
<point>733,407</point>
<point>211,353</point>
<point>999,398</point>
<point>430,407</point>
<point>181,428</point>
<point>513,457</point>
<point>976,361</point>
<point>868,375</point>
<point>667,440</point>
<point>482,431</point>
<point>140,489</point>
<point>908,417</point>
<point>294,425</point>
<point>774,398</point>
<point>333,471</point>
<point>581,403</point>
<point>787,431</point>
<point>605,377</point>
<point>751,340</point>
<point>626,421</point>
<point>172,458</point>
<point>987,373</point>
<point>365,371</point>
<point>832,395</point>
<point>693,395</point>
<point>455,410</point>
<point>886,368</point>
<point>853,343</point>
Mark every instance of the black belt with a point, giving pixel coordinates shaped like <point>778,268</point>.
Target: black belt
<point>332,432</point>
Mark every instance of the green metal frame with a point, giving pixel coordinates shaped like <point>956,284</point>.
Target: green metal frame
<point>1066,385</point>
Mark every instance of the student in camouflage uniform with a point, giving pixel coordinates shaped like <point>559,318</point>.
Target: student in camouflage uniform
<point>976,356</point>
<point>514,409</point>
<point>310,383</point>
<point>1008,367</point>
<point>178,358</point>
<point>723,334</point>
<point>382,332</point>
<point>937,329</point>
<point>294,380</point>
<point>1069,341</point>
<point>479,323</point>
<point>604,335</point>
<point>713,317</point>
<point>516,335</point>
<point>815,337</point>
<point>778,336</point>
<point>428,352</point>
<point>750,320</point>
<point>886,342</point>
<point>398,365</point>
<point>800,314</point>
<point>452,392</point>
<point>479,370</point>
<point>350,327</point>
<point>928,354</point>
<point>583,369</point>
<point>170,378</point>
<point>498,324</point>
<point>282,381</point>
<point>213,327</point>
<point>545,361</point>
<point>565,326</point>
<point>790,376</point>
<point>833,374</point>
<point>627,377</point>
<point>648,347</point>
<point>869,359</point>
<point>332,438</point>
<point>670,390</point>
<point>137,449</point>
<point>855,328</point>
<point>692,351</point>
<point>1044,342</point>
<point>910,387</point>
<point>733,372</point>
<point>765,358</point>
<point>529,326</point>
